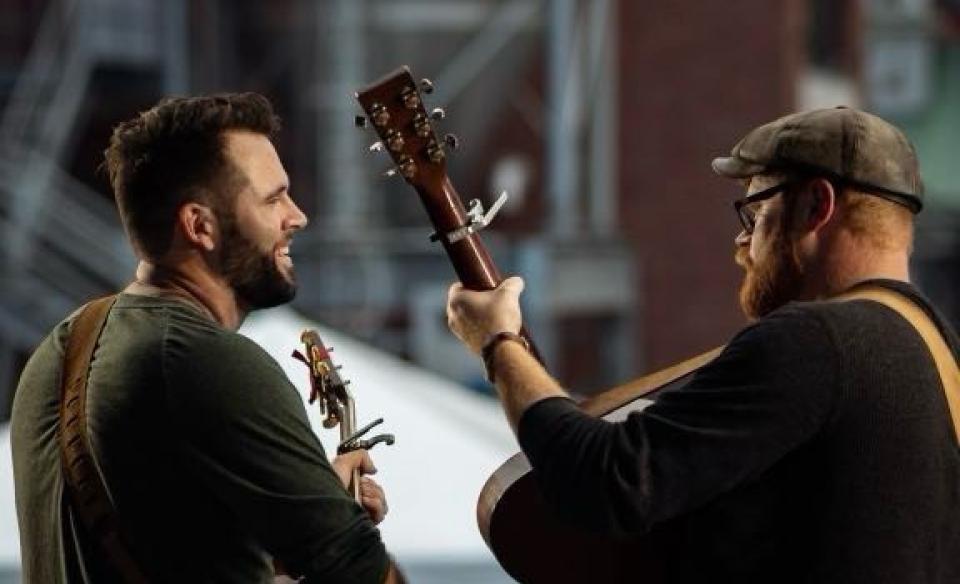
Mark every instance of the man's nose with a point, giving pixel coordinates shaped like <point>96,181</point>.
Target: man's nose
<point>297,219</point>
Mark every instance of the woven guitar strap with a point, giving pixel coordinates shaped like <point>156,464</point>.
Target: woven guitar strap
<point>942,355</point>
<point>88,494</point>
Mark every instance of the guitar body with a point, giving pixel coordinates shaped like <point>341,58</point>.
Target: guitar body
<point>534,546</point>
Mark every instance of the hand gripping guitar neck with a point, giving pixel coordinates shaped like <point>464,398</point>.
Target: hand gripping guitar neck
<point>394,107</point>
<point>515,520</point>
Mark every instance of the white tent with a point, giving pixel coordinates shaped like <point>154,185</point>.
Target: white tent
<point>9,542</point>
<point>449,440</point>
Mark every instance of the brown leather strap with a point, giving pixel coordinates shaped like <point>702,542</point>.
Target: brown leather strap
<point>84,483</point>
<point>942,355</point>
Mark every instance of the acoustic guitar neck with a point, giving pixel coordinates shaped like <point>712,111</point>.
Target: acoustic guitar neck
<point>394,108</point>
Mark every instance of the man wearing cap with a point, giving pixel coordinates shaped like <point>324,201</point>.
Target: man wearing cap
<point>819,445</point>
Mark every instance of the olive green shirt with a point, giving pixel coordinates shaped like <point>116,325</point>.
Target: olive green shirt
<point>206,451</point>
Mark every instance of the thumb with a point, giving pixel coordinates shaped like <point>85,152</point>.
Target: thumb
<point>345,464</point>
<point>359,460</point>
<point>365,463</point>
<point>513,284</point>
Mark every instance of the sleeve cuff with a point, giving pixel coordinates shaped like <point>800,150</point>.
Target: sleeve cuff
<point>533,430</point>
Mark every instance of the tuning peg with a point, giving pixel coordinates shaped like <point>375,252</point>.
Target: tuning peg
<point>408,168</point>
<point>375,147</point>
<point>360,122</point>
<point>435,153</point>
<point>395,141</point>
<point>438,113</point>
<point>452,141</point>
<point>426,86</point>
<point>379,114</point>
<point>410,97</point>
<point>422,126</point>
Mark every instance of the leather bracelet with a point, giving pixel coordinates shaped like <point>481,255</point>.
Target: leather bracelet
<point>486,353</point>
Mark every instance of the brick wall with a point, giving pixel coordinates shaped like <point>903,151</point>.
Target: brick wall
<point>694,77</point>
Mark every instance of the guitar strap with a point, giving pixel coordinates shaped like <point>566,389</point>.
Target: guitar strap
<point>942,355</point>
<point>85,485</point>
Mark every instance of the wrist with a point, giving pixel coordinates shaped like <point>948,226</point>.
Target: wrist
<point>489,349</point>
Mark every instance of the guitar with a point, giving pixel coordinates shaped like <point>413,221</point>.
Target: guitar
<point>529,542</point>
<point>394,107</point>
<point>336,402</point>
<point>526,537</point>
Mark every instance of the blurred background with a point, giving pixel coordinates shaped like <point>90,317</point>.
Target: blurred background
<point>599,117</point>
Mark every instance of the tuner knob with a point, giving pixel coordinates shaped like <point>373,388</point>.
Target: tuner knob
<point>426,86</point>
<point>408,168</point>
<point>390,172</point>
<point>452,141</point>
<point>360,121</point>
<point>411,100</point>
<point>436,153</point>
<point>379,114</point>
<point>422,126</point>
<point>395,141</point>
<point>438,113</point>
<point>376,147</point>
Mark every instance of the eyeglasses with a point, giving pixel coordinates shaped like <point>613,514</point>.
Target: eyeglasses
<point>747,209</point>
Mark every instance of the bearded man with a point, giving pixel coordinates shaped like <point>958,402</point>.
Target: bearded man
<point>203,444</point>
<point>818,447</point>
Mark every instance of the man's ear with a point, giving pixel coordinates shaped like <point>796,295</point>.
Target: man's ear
<point>818,204</point>
<point>198,224</point>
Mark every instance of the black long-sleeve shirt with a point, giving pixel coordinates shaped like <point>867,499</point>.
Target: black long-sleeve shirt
<point>817,448</point>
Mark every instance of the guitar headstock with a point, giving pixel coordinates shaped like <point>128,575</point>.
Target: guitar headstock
<point>325,381</point>
<point>394,108</point>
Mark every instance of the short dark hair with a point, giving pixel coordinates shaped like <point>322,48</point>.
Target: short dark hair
<point>173,153</point>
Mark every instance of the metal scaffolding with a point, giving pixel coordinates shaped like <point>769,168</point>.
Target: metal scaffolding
<point>64,244</point>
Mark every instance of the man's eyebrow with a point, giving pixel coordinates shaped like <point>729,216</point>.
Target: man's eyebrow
<point>277,191</point>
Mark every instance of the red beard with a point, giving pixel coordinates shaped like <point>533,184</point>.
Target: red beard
<point>772,281</point>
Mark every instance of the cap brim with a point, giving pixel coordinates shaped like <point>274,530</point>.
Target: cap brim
<point>734,167</point>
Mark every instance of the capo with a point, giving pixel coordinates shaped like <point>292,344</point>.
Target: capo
<point>476,219</point>
<point>354,442</point>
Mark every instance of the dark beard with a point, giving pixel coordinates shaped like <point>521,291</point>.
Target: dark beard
<point>772,282</point>
<point>253,274</point>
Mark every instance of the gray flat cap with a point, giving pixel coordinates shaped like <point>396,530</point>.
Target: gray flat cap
<point>843,143</point>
